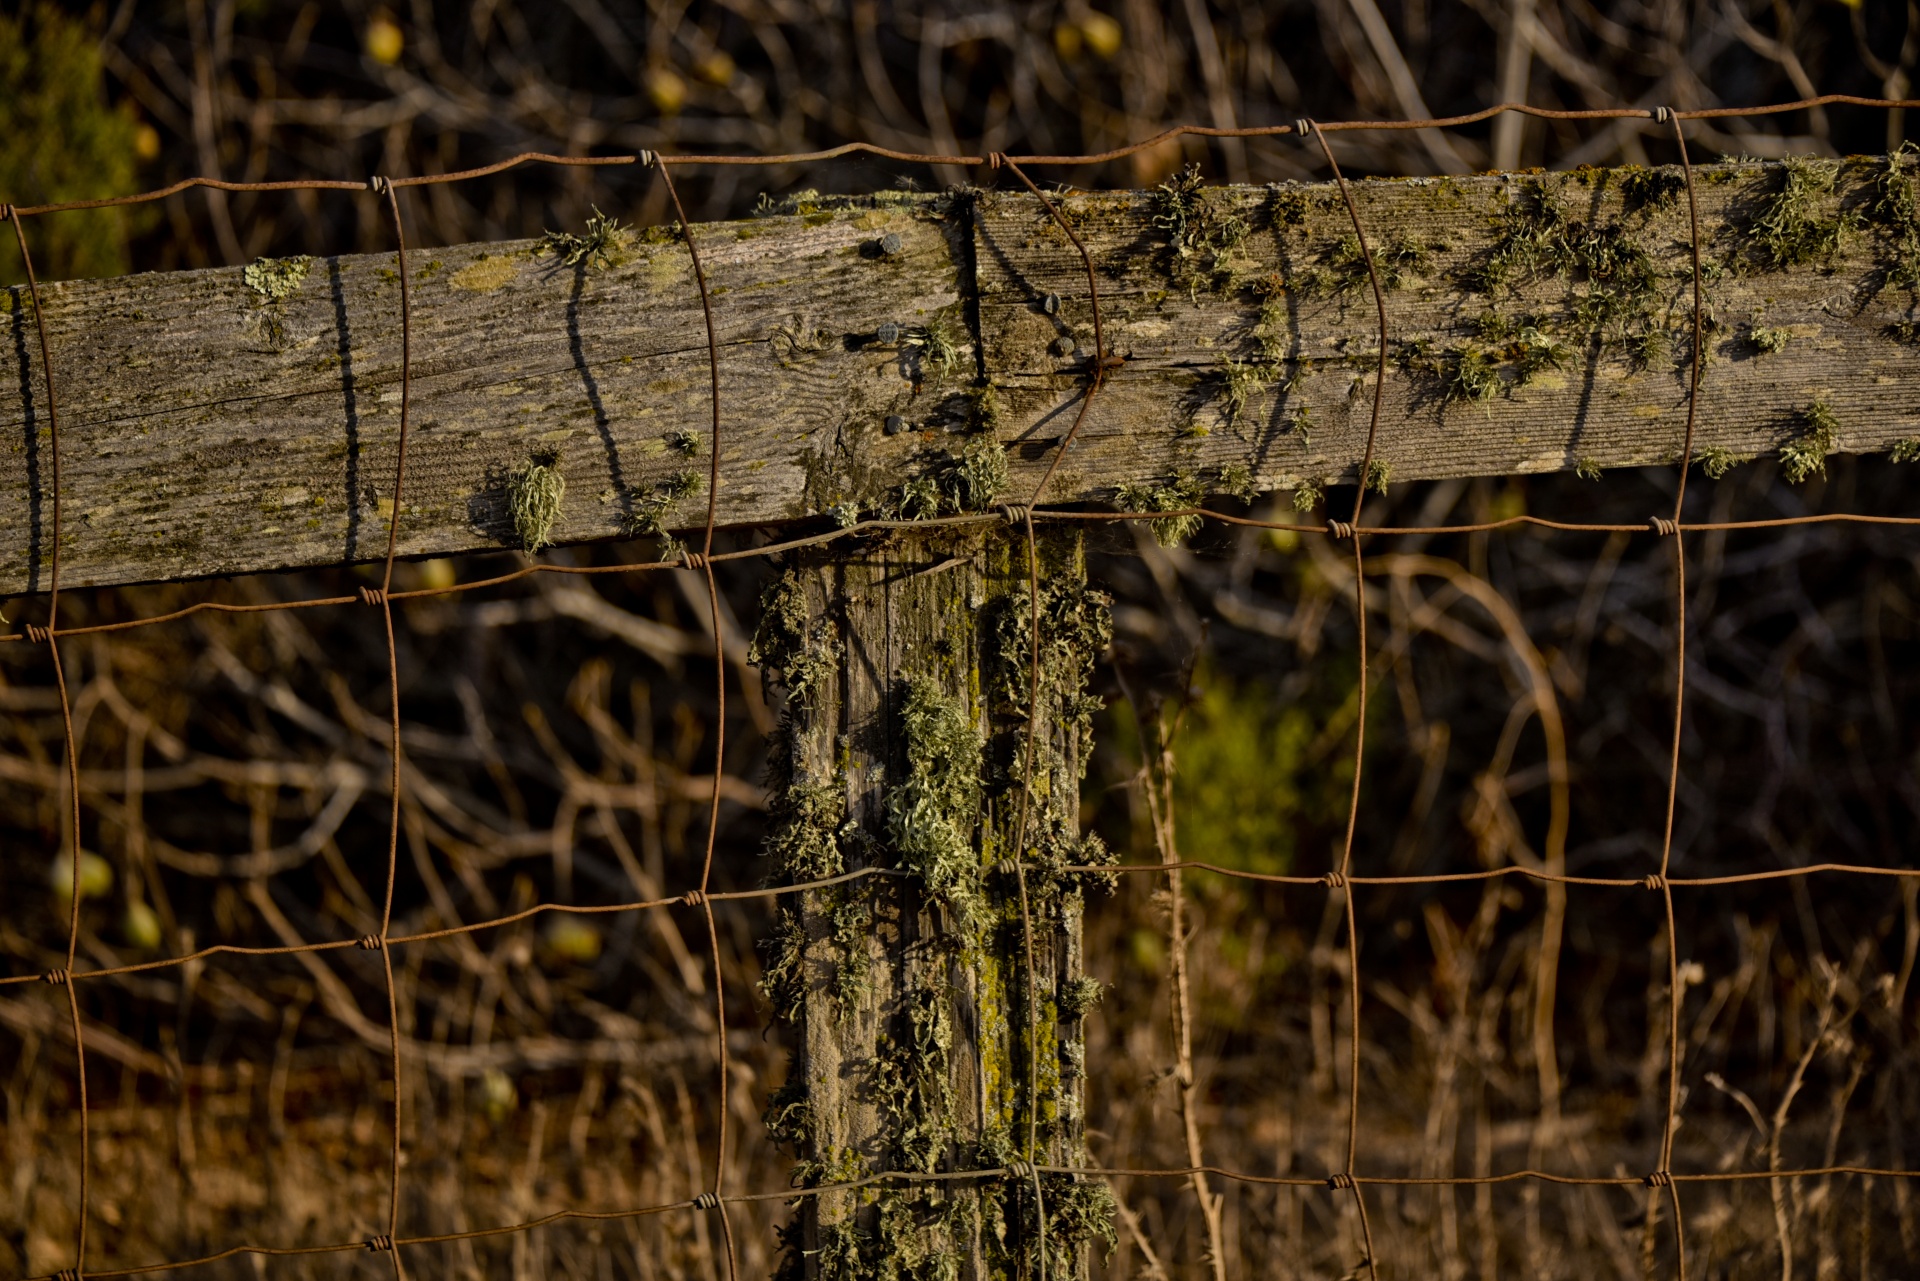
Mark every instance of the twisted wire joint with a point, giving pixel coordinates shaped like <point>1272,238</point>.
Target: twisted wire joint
<point>1020,1167</point>
<point>39,635</point>
<point>706,1201</point>
<point>1015,513</point>
<point>379,1243</point>
<point>57,978</point>
<point>1340,1182</point>
<point>694,898</point>
<point>1335,880</point>
<point>1655,882</point>
<point>371,942</point>
<point>373,596</point>
<point>1663,527</point>
<point>1339,529</point>
<point>1659,1179</point>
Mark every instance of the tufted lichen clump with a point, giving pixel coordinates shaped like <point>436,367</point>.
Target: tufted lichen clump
<point>911,1080</point>
<point>1243,380</point>
<point>1768,340</point>
<point>1893,211</point>
<point>1716,461</point>
<point>1202,239</point>
<point>968,481</point>
<point>1612,282</point>
<point>655,507</point>
<point>535,491</point>
<point>598,246</point>
<point>789,644</point>
<point>1805,457</point>
<point>1078,996</point>
<point>932,810</point>
<point>1343,270</point>
<point>1176,494</point>
<point>1799,221</point>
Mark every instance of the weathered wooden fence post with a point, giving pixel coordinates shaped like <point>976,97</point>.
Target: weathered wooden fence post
<point>906,663</point>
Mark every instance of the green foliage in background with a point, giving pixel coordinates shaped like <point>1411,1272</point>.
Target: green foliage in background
<point>1252,774</point>
<point>60,139</point>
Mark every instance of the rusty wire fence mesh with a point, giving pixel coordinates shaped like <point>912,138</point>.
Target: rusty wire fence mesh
<point>1348,1178</point>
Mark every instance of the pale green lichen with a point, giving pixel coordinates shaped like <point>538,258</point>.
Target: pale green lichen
<point>1396,263</point>
<point>977,477</point>
<point>1905,450</point>
<point>1767,340</point>
<point>969,481</point>
<point>1307,495</point>
<point>535,492</point>
<point>654,508</point>
<point>1805,457</point>
<point>1300,423</point>
<point>1241,381</point>
<point>1076,626</point>
<point>792,644</point>
<point>599,246</point>
<point>1716,461</point>
<point>1202,239</point>
<point>931,811</point>
<point>684,441</point>
<point>1587,468</point>
<point>276,279</point>
<point>1612,278</point>
<point>911,1082</point>
<point>1471,375</point>
<point>1078,1213</point>
<point>1799,221</point>
<point>1078,996</point>
<point>1379,472</point>
<point>1236,480</point>
<point>938,345</point>
<point>1177,494</point>
<point>803,831</point>
<point>789,1114</point>
<point>783,977</point>
<point>850,926</point>
<point>1893,210</point>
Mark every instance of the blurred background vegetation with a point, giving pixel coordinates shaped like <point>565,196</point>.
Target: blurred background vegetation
<point>561,740</point>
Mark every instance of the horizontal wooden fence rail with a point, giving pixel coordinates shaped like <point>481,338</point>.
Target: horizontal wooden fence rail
<point>883,354</point>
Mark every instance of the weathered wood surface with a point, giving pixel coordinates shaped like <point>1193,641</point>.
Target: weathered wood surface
<point>907,997</point>
<point>207,429</point>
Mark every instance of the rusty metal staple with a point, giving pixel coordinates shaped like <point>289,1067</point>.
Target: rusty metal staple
<point>1340,880</point>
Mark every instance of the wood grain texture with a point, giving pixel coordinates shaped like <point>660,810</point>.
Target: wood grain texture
<point>907,1013</point>
<point>208,429</point>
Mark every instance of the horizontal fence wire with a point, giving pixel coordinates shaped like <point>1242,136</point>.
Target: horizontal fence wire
<point>1341,880</point>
